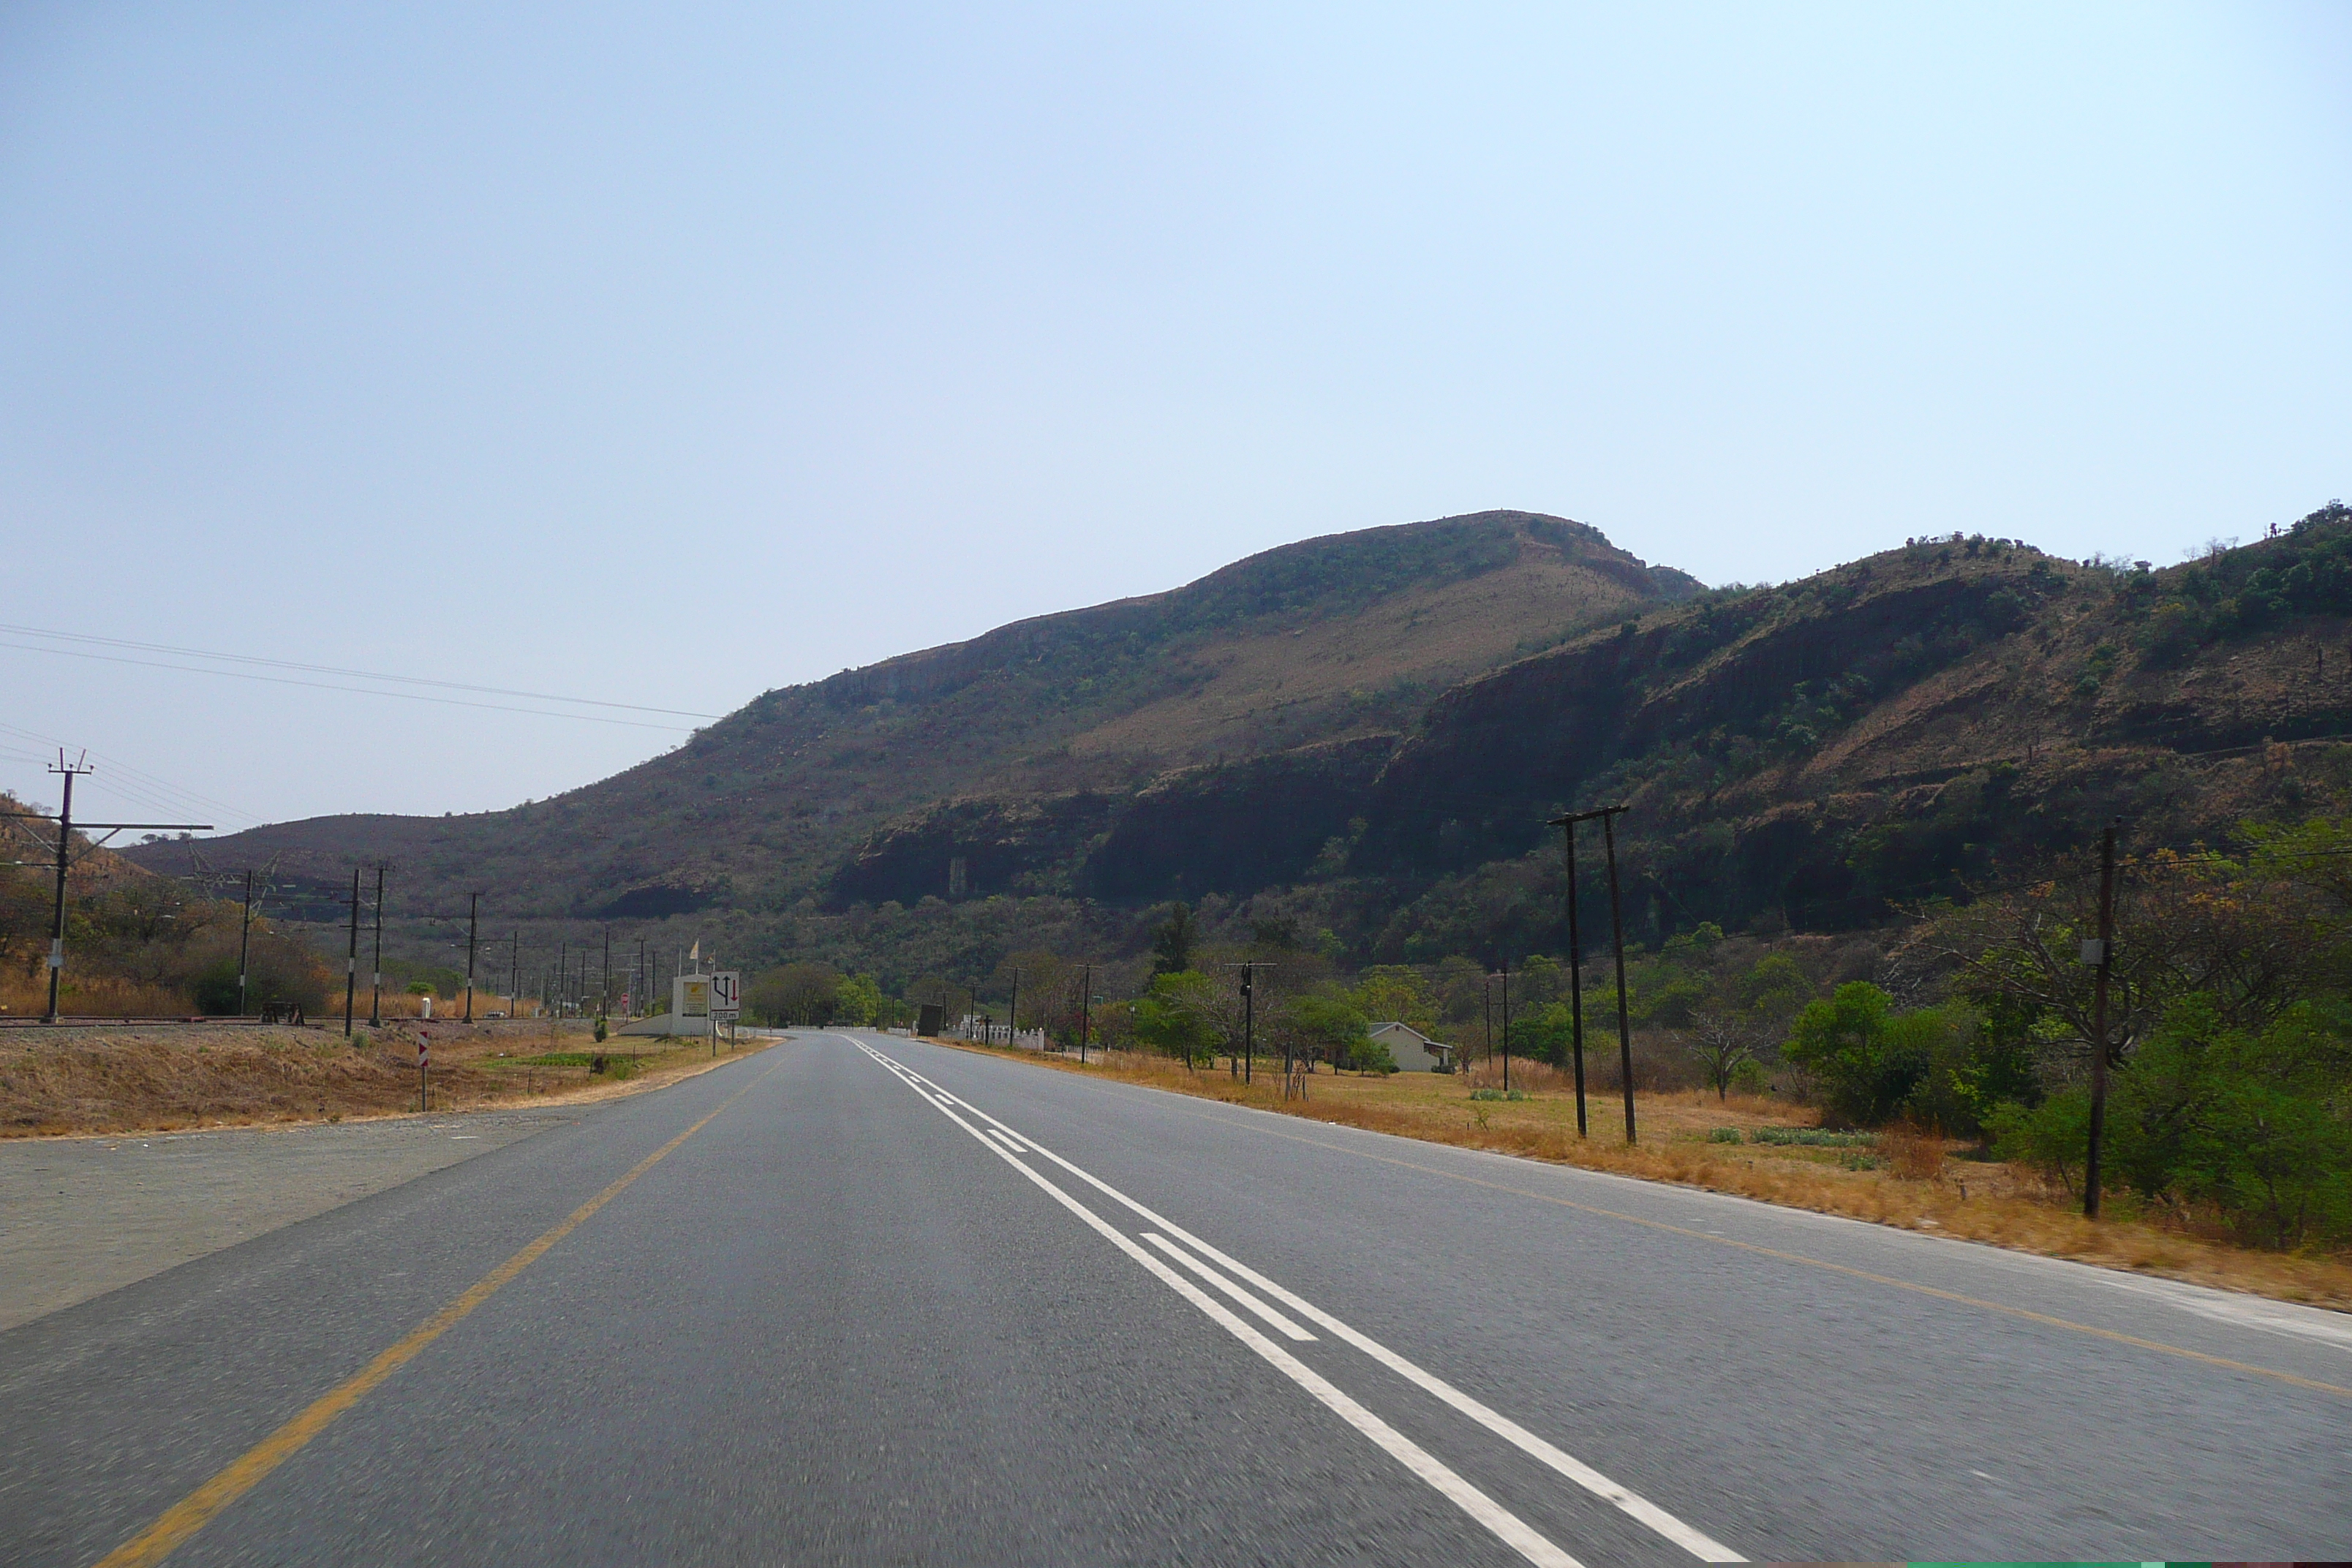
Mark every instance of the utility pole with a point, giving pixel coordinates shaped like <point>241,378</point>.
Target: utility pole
<point>514,979</point>
<point>604,1004</point>
<point>65,841</point>
<point>1249,1015</point>
<point>1486,1003</point>
<point>1086,1010</point>
<point>351,959</point>
<point>472,927</point>
<point>562,973</point>
<point>244,941</point>
<point>1566,825</point>
<point>63,819</point>
<point>1617,933</point>
<point>1012,1011</point>
<point>1507,1026</point>
<point>2106,958</point>
<point>375,1000</point>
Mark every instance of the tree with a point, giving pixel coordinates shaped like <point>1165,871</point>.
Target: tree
<point>1847,1042</point>
<point>807,994</point>
<point>859,1001</point>
<point>2185,924</point>
<point>1176,1016</point>
<point>1394,991</point>
<point>1171,944</point>
<point>1325,1025</point>
<point>1720,1040</point>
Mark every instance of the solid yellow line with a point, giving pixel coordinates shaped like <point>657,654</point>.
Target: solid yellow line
<point>2043,1318</point>
<point>191,1513</point>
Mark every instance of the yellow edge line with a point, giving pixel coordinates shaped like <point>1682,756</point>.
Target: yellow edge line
<point>192,1512</point>
<point>2032,1317</point>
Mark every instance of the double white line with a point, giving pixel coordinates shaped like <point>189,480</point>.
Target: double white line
<point>1158,1249</point>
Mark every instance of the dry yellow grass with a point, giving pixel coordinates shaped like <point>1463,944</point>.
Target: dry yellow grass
<point>27,996</point>
<point>1918,1184</point>
<point>109,1078</point>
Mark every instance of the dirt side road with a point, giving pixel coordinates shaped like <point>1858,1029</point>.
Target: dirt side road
<point>80,1217</point>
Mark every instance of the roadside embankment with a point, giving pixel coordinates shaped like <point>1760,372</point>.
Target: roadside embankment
<point>105,1078</point>
<point>1752,1146</point>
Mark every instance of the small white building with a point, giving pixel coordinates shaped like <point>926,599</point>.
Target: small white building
<point>1411,1050</point>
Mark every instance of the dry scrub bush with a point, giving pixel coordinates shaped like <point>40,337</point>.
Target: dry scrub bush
<point>1910,1152</point>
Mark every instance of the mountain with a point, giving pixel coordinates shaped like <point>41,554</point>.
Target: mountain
<point>865,784</point>
<point>1358,741</point>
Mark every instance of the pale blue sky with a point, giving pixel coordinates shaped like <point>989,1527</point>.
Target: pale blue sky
<point>665,355</point>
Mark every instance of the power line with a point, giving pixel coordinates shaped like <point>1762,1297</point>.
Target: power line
<point>145,786</point>
<point>361,690</point>
<point>334,670</point>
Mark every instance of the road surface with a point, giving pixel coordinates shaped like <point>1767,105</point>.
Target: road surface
<point>857,1299</point>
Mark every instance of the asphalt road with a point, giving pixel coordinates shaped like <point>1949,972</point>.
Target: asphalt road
<point>816,1307</point>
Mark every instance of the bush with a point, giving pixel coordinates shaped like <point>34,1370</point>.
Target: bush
<point>1937,1066</point>
<point>215,989</point>
<point>2249,1124</point>
<point>2053,1137</point>
<point>1810,1137</point>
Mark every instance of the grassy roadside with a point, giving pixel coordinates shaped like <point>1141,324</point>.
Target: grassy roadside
<point>1913,1182</point>
<point>104,1080</point>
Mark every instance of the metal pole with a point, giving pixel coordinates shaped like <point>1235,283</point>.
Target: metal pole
<point>1617,932</point>
<point>1575,980</point>
<point>1507,1026</point>
<point>1486,1003</point>
<point>2099,1023</point>
<point>352,958</point>
<point>473,926</point>
<point>375,1000</point>
<point>1249,1022</point>
<point>244,942</point>
<point>57,928</point>
<point>1086,1010</point>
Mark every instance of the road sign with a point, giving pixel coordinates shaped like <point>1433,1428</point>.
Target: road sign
<point>727,993</point>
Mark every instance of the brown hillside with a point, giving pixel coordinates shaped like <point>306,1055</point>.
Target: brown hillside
<point>1335,637</point>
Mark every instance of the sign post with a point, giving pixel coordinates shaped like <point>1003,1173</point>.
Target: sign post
<point>726,1003</point>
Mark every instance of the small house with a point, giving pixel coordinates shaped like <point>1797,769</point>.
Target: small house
<point>1411,1050</point>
